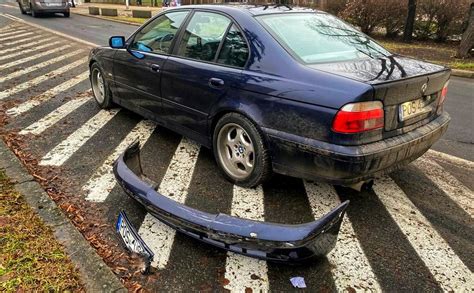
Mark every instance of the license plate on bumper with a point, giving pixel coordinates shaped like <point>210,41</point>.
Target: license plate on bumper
<point>413,108</point>
<point>132,240</point>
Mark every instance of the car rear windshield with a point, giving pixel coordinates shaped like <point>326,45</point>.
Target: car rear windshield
<point>320,37</point>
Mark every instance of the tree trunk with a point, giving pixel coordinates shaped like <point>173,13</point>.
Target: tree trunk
<point>467,42</point>
<point>410,22</point>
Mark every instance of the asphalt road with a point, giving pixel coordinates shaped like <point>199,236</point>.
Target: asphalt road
<point>91,29</point>
<point>458,141</point>
<point>413,232</point>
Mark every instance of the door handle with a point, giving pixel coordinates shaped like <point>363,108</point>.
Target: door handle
<point>155,67</point>
<point>216,82</point>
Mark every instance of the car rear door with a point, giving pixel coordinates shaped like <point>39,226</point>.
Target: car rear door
<point>206,63</point>
<point>137,69</point>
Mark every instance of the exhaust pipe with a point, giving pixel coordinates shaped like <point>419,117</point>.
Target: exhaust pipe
<point>362,185</point>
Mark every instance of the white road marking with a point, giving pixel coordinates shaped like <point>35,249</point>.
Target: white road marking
<point>65,149</point>
<point>39,66</point>
<point>30,104</point>
<point>17,36</point>
<point>12,28</point>
<point>37,80</point>
<point>52,118</point>
<point>11,32</point>
<point>12,17</point>
<point>175,184</point>
<point>19,52</point>
<point>21,41</point>
<point>459,193</point>
<point>349,264</point>
<point>241,271</point>
<point>103,181</point>
<point>450,159</point>
<point>32,45</point>
<point>51,31</point>
<point>29,58</point>
<point>445,266</point>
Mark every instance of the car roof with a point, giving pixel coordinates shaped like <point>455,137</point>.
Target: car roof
<point>257,9</point>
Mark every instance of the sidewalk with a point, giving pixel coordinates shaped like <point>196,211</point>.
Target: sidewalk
<point>95,275</point>
<point>124,15</point>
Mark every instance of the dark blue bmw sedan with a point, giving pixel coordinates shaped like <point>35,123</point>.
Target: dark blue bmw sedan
<point>276,89</point>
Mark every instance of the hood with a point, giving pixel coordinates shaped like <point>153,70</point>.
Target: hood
<point>380,70</point>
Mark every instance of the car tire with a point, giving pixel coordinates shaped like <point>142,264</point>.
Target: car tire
<point>100,89</point>
<point>21,9</point>
<point>67,14</point>
<point>240,151</point>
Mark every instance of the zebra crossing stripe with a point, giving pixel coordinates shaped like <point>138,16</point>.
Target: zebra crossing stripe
<point>450,159</point>
<point>9,29</point>
<point>459,193</point>
<point>445,266</point>
<point>37,80</point>
<point>11,32</point>
<point>349,265</point>
<point>243,272</point>
<point>32,45</point>
<point>17,36</point>
<point>103,181</point>
<point>34,49</point>
<point>29,58</point>
<point>30,104</point>
<point>21,41</point>
<point>52,118</point>
<point>65,149</point>
<point>39,66</point>
<point>175,184</point>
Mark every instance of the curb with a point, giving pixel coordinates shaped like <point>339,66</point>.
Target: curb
<point>462,73</point>
<point>109,19</point>
<point>95,274</point>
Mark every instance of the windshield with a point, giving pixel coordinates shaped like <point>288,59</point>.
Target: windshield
<point>320,37</point>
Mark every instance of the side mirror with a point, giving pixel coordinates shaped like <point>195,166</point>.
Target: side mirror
<point>117,42</point>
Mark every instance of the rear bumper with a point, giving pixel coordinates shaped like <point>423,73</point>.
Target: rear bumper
<point>316,160</point>
<point>42,8</point>
<point>270,241</point>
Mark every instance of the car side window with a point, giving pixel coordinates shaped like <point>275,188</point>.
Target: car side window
<point>203,35</point>
<point>158,35</point>
<point>234,51</point>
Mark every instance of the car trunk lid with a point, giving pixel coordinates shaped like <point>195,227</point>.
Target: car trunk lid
<point>397,80</point>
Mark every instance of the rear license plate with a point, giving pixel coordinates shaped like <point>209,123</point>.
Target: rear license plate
<point>53,4</point>
<point>413,108</point>
<point>133,242</point>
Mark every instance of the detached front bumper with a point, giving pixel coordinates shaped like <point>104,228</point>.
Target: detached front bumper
<point>270,241</point>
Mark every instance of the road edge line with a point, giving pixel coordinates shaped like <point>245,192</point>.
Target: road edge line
<point>14,18</point>
<point>95,274</point>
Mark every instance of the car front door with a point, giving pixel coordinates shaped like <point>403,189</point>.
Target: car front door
<point>206,62</point>
<point>137,69</point>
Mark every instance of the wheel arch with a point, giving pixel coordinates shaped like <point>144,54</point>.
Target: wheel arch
<point>247,113</point>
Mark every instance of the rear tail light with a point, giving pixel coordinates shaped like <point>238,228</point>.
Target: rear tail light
<point>359,117</point>
<point>442,98</point>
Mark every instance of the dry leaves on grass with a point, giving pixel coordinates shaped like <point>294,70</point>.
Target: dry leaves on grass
<point>30,257</point>
<point>85,216</point>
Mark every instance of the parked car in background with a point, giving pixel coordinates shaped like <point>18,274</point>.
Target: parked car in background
<point>38,7</point>
<point>274,88</point>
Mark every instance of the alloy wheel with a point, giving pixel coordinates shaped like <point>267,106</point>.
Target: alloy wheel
<point>98,85</point>
<point>236,151</point>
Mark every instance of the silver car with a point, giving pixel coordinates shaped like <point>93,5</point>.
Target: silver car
<point>37,7</point>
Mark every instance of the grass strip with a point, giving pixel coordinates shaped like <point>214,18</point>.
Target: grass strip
<point>30,257</point>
